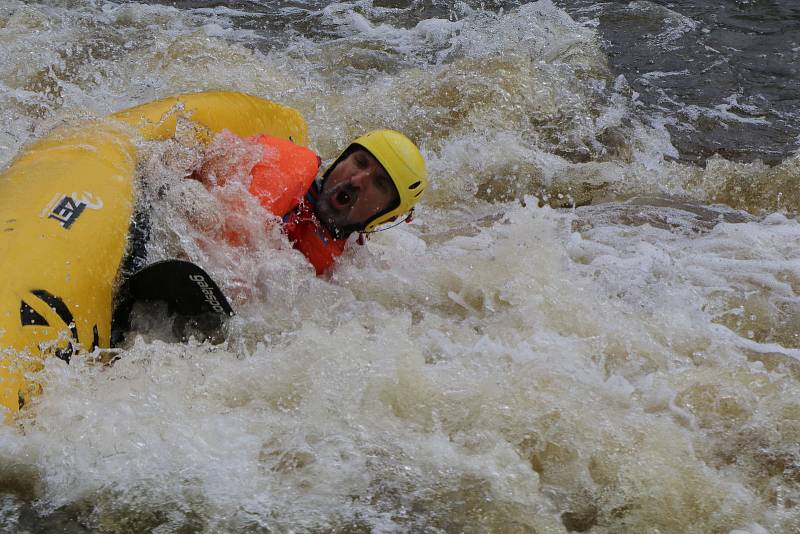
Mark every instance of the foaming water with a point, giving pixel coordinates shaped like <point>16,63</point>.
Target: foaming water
<point>579,332</point>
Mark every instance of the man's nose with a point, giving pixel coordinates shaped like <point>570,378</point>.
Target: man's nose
<point>359,178</point>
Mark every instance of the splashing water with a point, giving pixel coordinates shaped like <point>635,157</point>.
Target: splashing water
<point>581,331</point>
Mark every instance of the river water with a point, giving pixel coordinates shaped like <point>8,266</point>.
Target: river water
<point>593,324</point>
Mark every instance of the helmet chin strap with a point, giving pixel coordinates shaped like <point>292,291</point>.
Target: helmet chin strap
<point>363,235</point>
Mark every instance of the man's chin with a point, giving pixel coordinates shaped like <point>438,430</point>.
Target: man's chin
<point>340,229</point>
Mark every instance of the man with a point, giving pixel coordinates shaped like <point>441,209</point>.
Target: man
<point>378,178</point>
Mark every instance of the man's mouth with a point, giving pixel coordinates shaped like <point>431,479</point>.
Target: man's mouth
<point>342,198</point>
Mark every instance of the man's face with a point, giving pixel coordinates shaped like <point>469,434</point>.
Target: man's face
<point>356,189</point>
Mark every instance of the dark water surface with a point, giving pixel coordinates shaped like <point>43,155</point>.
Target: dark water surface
<point>631,364</point>
<point>726,72</point>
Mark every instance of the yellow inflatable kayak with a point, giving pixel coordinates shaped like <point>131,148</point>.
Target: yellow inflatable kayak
<point>66,204</point>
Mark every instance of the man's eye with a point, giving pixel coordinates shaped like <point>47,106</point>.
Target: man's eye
<point>361,160</point>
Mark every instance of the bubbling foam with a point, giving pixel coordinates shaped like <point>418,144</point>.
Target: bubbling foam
<point>495,365</point>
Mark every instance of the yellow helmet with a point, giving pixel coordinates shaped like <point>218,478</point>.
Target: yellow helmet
<point>403,163</point>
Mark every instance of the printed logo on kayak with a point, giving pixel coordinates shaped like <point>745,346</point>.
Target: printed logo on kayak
<point>67,208</point>
<point>208,292</point>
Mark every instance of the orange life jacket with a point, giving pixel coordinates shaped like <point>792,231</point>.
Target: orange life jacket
<point>284,174</point>
<point>283,182</point>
